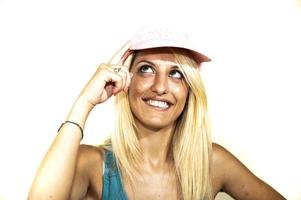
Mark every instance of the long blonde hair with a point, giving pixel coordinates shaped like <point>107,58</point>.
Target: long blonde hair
<point>191,142</point>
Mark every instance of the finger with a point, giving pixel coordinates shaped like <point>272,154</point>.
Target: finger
<point>119,54</point>
<point>124,82</point>
<point>123,74</point>
<point>118,81</point>
<point>127,77</point>
<point>128,81</point>
<point>128,60</point>
<point>113,77</point>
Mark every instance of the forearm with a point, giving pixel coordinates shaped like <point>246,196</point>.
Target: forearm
<point>55,175</point>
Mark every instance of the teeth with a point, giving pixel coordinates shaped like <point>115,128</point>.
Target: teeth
<point>160,104</point>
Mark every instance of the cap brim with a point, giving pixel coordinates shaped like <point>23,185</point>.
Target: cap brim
<point>158,43</point>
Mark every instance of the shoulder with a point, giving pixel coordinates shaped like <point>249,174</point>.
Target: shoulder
<point>218,152</point>
<point>221,159</point>
<point>234,178</point>
<point>224,164</point>
<point>90,152</point>
<point>221,156</point>
<point>88,173</point>
<point>226,168</point>
<point>89,158</point>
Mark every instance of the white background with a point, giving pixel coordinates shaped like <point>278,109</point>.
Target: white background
<point>50,49</point>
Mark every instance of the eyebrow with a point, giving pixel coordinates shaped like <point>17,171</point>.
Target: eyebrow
<point>151,63</point>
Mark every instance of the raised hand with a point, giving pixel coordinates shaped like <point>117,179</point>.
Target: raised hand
<point>109,79</point>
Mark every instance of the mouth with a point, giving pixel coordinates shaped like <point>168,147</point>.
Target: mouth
<point>158,104</point>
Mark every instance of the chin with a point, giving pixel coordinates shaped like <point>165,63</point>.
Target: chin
<point>156,124</point>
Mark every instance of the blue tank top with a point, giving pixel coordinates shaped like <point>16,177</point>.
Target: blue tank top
<point>112,185</point>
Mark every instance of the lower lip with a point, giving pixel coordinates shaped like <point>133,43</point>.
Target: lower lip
<point>157,108</point>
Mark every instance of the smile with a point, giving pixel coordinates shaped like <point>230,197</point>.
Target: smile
<point>162,105</point>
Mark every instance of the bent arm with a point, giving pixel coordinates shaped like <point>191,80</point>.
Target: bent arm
<point>238,181</point>
<point>61,171</point>
<point>55,175</point>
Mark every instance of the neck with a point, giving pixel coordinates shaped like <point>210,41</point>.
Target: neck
<point>155,144</point>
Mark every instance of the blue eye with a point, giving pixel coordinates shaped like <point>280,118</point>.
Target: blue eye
<point>146,69</point>
<point>176,74</point>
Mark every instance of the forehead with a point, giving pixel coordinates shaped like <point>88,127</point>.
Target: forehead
<point>155,54</point>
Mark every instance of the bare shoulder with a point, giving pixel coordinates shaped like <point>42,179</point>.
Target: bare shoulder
<point>233,177</point>
<point>223,163</point>
<point>90,160</point>
<point>87,182</point>
<point>222,158</point>
<point>90,154</point>
<point>220,154</point>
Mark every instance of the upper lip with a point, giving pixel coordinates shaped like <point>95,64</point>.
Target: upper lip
<point>157,99</point>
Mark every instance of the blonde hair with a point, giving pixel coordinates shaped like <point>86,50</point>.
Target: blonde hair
<point>191,142</point>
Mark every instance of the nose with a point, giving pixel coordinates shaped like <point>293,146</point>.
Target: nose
<point>160,84</point>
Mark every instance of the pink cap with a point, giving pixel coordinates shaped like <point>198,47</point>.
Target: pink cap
<point>163,37</point>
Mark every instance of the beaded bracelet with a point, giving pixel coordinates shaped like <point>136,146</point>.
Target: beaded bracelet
<point>81,129</point>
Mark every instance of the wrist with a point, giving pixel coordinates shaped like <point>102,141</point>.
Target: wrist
<point>75,124</point>
<point>81,102</point>
<point>79,112</point>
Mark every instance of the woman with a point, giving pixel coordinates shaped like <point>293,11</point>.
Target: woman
<point>161,146</point>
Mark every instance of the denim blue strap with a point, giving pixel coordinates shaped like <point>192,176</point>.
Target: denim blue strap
<point>112,185</point>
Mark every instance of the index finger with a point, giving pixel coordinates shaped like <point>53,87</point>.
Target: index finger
<point>118,55</point>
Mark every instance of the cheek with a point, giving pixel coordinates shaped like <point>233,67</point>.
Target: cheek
<point>181,92</point>
<point>178,90</point>
<point>138,86</point>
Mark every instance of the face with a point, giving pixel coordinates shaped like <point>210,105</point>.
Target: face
<point>158,90</point>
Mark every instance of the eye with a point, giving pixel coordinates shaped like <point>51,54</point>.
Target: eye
<point>176,74</point>
<point>146,69</point>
